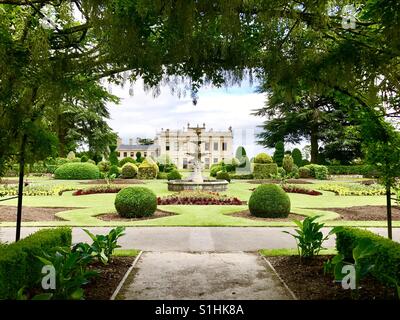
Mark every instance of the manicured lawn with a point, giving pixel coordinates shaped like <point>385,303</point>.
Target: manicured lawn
<point>86,208</point>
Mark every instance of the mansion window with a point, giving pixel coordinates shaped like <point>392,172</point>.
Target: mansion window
<point>207,163</point>
<point>125,154</point>
<point>224,146</point>
<point>176,146</point>
<point>215,160</point>
<point>207,146</point>
<point>132,154</point>
<point>185,163</point>
<point>167,147</point>
<point>215,146</point>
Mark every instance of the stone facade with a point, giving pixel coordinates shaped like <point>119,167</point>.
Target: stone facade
<point>216,146</point>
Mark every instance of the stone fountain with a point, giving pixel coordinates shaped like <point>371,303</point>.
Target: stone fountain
<point>196,180</point>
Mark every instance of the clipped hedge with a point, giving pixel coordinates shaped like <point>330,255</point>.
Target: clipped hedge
<point>386,258</point>
<point>318,171</point>
<point>304,172</point>
<point>147,170</point>
<point>237,176</point>
<point>264,171</point>
<point>136,202</point>
<point>77,171</point>
<point>19,265</point>
<point>263,158</point>
<point>269,201</point>
<point>214,169</point>
<point>129,170</point>
<point>126,160</point>
<point>364,170</point>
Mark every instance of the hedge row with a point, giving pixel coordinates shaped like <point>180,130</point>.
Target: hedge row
<point>365,170</point>
<point>387,256</point>
<point>265,171</point>
<point>19,265</point>
<point>77,171</point>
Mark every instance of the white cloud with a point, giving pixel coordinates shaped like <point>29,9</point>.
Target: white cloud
<point>141,115</point>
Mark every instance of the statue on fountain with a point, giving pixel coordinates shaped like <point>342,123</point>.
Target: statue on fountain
<point>197,176</point>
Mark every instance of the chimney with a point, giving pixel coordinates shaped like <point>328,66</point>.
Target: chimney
<point>130,142</point>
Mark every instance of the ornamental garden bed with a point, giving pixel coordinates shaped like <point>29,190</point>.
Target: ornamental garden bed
<point>275,181</point>
<point>203,198</point>
<point>115,181</point>
<point>294,189</point>
<point>8,213</point>
<point>365,213</point>
<point>246,214</point>
<point>307,280</point>
<point>103,286</point>
<point>115,217</point>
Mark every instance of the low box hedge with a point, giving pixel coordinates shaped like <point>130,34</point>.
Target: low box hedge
<point>237,176</point>
<point>387,256</point>
<point>364,170</point>
<point>19,265</point>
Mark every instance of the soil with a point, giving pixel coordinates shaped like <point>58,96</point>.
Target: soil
<point>115,181</point>
<point>289,181</point>
<point>365,213</point>
<point>307,281</point>
<point>9,213</point>
<point>248,215</point>
<point>116,217</point>
<point>103,286</point>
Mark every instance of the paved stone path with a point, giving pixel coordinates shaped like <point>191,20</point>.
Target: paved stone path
<point>195,239</point>
<point>203,276</point>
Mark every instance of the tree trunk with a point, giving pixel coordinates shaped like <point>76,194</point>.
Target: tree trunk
<point>20,188</point>
<point>389,210</point>
<point>314,146</point>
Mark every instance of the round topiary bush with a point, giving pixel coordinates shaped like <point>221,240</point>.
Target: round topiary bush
<point>126,160</point>
<point>174,175</point>
<point>304,172</point>
<point>147,170</point>
<point>269,201</point>
<point>129,170</point>
<point>136,202</point>
<point>263,158</point>
<point>104,166</point>
<point>288,163</point>
<point>77,171</point>
<point>223,175</point>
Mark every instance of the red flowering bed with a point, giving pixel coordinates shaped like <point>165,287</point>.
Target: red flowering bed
<point>97,189</point>
<point>295,189</point>
<point>199,198</point>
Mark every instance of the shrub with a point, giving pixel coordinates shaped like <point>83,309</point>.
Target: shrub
<point>269,201</point>
<point>77,171</point>
<point>174,175</point>
<point>281,172</point>
<point>84,158</point>
<point>215,168</point>
<point>294,173</point>
<point>126,160</point>
<point>147,170</point>
<point>19,266</point>
<point>265,171</point>
<point>317,171</point>
<point>288,163</point>
<point>162,176</point>
<point>223,175</point>
<point>153,164</point>
<point>242,176</point>
<point>304,172</point>
<point>263,158</point>
<point>297,157</point>
<point>279,153</point>
<point>113,157</point>
<point>104,166</point>
<point>136,202</point>
<point>114,171</point>
<point>129,170</point>
<point>61,161</point>
<point>108,188</point>
<point>71,155</point>
<point>386,259</point>
<point>91,161</point>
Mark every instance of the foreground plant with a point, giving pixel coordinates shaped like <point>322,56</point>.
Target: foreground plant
<point>71,273</point>
<point>309,237</point>
<point>103,246</point>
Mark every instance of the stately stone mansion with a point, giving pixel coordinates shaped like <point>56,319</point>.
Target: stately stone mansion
<point>179,144</point>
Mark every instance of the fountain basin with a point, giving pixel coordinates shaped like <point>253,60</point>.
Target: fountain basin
<point>206,185</point>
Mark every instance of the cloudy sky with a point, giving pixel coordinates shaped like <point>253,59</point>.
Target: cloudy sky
<point>142,114</point>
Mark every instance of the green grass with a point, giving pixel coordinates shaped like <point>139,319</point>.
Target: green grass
<point>82,210</point>
<point>291,252</point>
<point>125,253</point>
